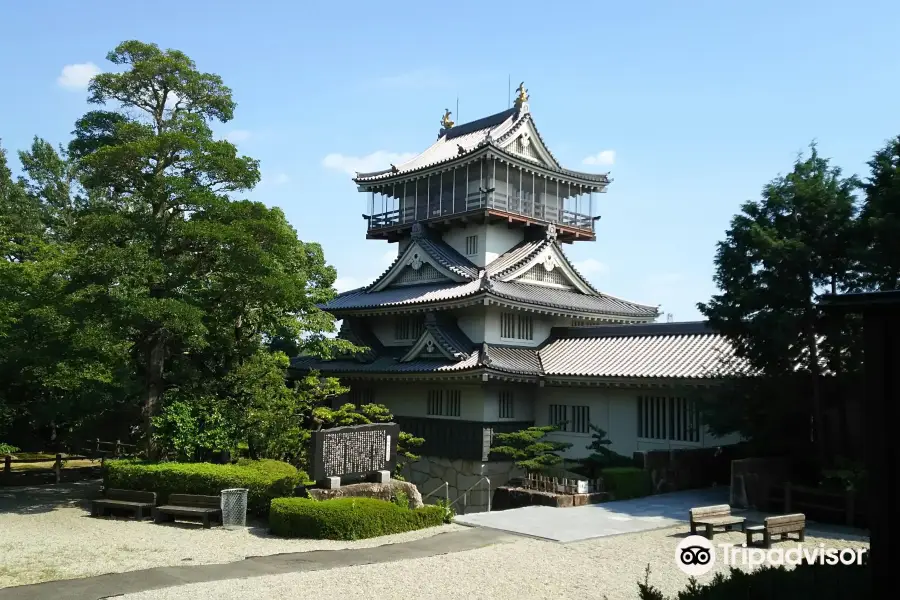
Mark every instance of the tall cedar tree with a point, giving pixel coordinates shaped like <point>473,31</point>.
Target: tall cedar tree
<point>196,281</point>
<point>780,252</point>
<point>880,220</point>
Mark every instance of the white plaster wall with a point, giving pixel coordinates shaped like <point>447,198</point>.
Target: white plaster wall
<point>456,239</point>
<point>383,327</point>
<point>471,323</point>
<point>499,239</point>
<point>614,411</point>
<point>523,402</point>
<point>411,399</point>
<point>542,326</point>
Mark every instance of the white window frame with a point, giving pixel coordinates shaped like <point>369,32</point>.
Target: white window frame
<point>506,404</point>
<point>444,403</point>
<point>472,245</point>
<point>516,326</point>
<point>669,420</point>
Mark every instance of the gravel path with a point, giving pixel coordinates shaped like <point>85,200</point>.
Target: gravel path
<point>65,543</point>
<point>599,568</point>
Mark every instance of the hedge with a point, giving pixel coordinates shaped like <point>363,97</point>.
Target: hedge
<point>348,518</point>
<point>627,482</point>
<point>265,479</point>
<point>836,582</point>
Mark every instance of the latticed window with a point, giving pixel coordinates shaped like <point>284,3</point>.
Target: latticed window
<point>506,404</point>
<point>516,327</point>
<point>408,328</point>
<point>558,415</point>
<point>668,418</point>
<point>444,403</point>
<point>581,419</point>
<point>471,245</point>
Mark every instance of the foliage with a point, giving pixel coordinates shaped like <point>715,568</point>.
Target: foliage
<point>602,456</point>
<point>400,498</point>
<point>265,479</point>
<point>797,241</point>
<point>880,220</point>
<point>529,449</point>
<point>7,449</point>
<point>804,581</point>
<point>445,506</point>
<point>348,518</point>
<point>627,482</point>
<point>137,288</point>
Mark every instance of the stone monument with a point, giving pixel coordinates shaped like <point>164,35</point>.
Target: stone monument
<point>354,453</point>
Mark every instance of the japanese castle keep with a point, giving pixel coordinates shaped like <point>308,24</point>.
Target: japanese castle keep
<point>482,325</point>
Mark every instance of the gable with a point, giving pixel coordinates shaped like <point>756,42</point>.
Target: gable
<point>550,267</point>
<point>426,273</point>
<point>417,265</point>
<point>526,143</point>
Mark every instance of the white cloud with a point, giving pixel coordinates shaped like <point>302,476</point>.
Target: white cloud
<point>591,266</point>
<point>342,284</point>
<point>77,76</point>
<point>661,280</point>
<point>418,78</point>
<point>238,135</point>
<point>604,157</point>
<point>378,160</point>
<point>280,179</point>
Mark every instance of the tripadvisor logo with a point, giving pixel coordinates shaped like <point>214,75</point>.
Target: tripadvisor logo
<point>695,555</point>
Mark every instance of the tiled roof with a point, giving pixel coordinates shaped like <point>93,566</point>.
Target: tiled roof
<point>568,300</point>
<point>447,256</point>
<point>515,257</point>
<point>511,360</point>
<point>463,138</point>
<point>664,350</point>
<point>447,333</point>
<point>401,296</point>
<point>358,332</point>
<point>384,364</point>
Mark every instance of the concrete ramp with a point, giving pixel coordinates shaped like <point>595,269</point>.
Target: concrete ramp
<point>597,520</point>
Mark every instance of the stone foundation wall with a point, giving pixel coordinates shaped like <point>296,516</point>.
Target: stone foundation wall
<point>429,472</point>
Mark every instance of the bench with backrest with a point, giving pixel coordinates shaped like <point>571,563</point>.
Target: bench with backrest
<point>781,525</point>
<point>140,503</point>
<point>710,517</point>
<point>205,508</point>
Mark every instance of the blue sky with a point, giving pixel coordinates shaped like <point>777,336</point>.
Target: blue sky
<point>698,103</point>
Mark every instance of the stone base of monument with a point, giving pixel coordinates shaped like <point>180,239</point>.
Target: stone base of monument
<point>381,477</point>
<point>381,491</point>
<point>330,483</point>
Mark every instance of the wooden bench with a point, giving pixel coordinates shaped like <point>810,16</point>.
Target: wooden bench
<point>710,517</point>
<point>205,508</point>
<point>781,525</point>
<point>140,503</point>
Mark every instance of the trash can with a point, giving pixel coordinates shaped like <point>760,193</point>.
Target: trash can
<point>234,508</point>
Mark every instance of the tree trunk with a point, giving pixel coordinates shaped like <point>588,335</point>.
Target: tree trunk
<point>815,374</point>
<point>153,391</point>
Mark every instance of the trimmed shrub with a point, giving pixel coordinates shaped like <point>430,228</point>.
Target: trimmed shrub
<point>839,582</point>
<point>265,479</point>
<point>7,449</point>
<point>627,482</point>
<point>348,518</point>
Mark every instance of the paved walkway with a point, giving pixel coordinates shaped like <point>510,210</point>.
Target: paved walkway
<point>597,520</point>
<point>117,584</point>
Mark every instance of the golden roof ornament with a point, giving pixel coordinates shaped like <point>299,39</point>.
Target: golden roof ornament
<point>446,123</point>
<point>521,96</point>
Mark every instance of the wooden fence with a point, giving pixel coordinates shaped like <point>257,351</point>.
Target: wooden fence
<point>56,469</point>
<point>100,449</point>
<point>820,505</point>
<point>559,485</point>
<point>93,450</point>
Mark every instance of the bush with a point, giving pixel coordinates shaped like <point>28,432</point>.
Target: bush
<point>7,449</point>
<point>627,482</point>
<point>837,582</point>
<point>265,479</point>
<point>348,518</point>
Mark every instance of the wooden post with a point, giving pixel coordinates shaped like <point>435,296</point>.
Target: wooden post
<point>57,467</point>
<point>7,464</point>
<point>98,445</point>
<point>117,451</point>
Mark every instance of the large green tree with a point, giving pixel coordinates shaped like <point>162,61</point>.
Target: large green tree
<point>195,280</point>
<point>779,253</point>
<point>880,220</point>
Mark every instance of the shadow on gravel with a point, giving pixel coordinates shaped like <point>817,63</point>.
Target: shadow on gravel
<point>29,500</point>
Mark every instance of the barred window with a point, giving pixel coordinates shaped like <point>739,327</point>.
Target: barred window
<point>558,415</point>
<point>506,404</point>
<point>581,419</point>
<point>471,245</point>
<point>444,403</point>
<point>673,419</point>
<point>408,328</point>
<point>516,327</point>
